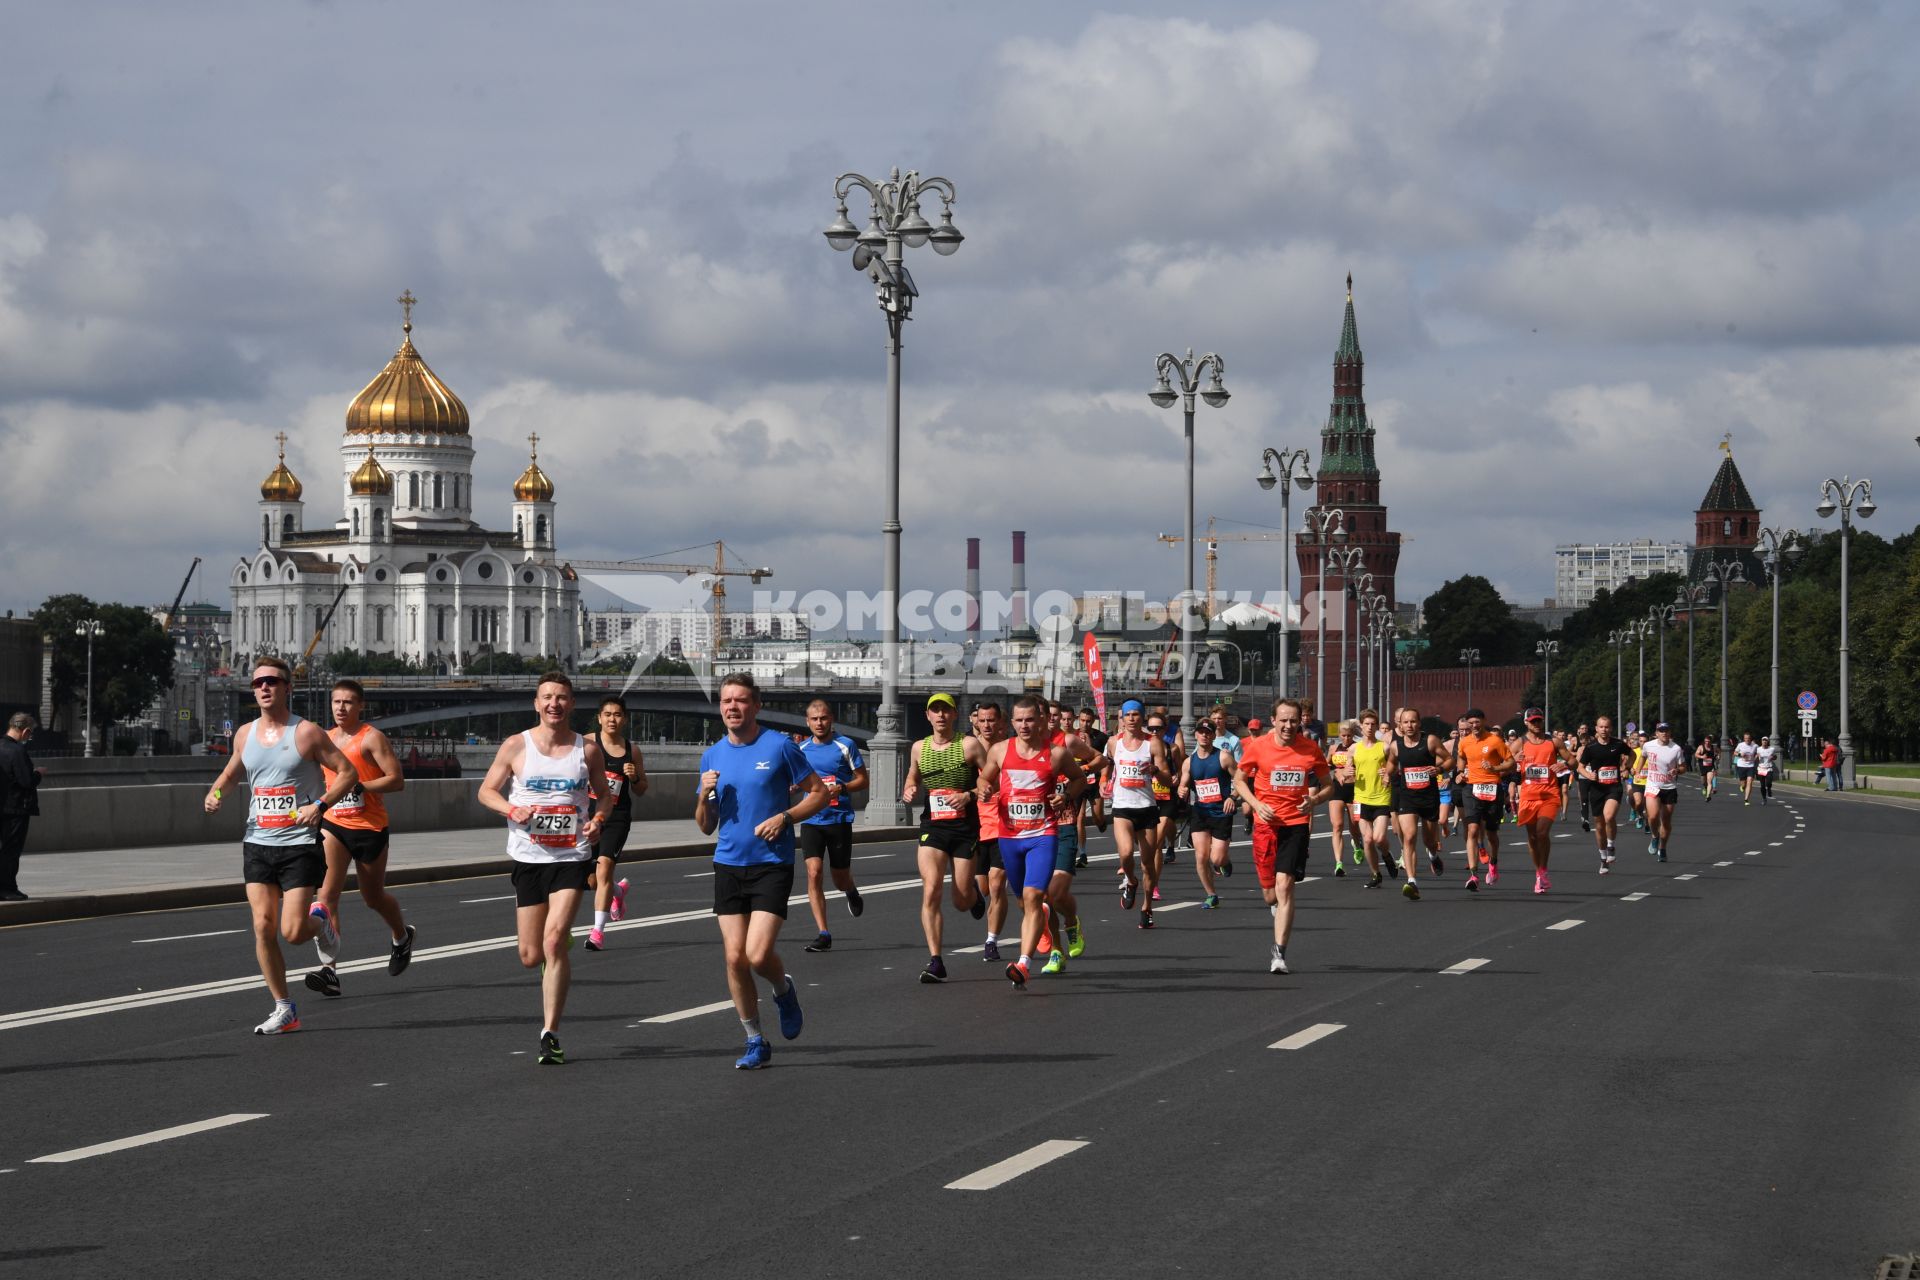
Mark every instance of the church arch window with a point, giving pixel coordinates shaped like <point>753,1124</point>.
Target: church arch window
<point>436,491</point>
<point>286,525</point>
<point>379,622</point>
<point>456,492</point>
<point>379,575</point>
<point>526,577</point>
<point>486,569</point>
<point>379,523</point>
<point>439,575</point>
<point>356,522</point>
<point>440,624</point>
<point>526,626</point>
<point>266,528</point>
<point>540,529</point>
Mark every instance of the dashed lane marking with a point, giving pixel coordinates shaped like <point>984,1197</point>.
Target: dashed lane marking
<point>146,1139</point>
<point>682,1015</point>
<point>1301,1039</point>
<point>1634,897</point>
<point>182,937</point>
<point>1007,1170</point>
<point>1468,965</point>
<point>1566,924</point>
<point>505,897</point>
<point>1723,864</point>
<point>1689,876</point>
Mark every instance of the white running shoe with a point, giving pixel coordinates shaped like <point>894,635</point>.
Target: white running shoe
<point>1278,964</point>
<point>327,941</point>
<point>284,1018</point>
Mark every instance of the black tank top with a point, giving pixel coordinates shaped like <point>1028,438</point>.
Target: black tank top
<point>617,777</point>
<point>1418,756</point>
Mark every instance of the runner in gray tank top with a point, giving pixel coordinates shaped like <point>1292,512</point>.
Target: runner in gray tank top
<point>280,755</point>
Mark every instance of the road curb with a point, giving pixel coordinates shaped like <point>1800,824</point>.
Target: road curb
<point>215,893</point>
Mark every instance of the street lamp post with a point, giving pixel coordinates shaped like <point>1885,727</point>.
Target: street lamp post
<point>1405,662</point>
<point>894,224</point>
<point>1469,656</point>
<point>1725,572</point>
<point>1690,597</point>
<point>1775,548</point>
<point>1380,668</point>
<point>1659,616</point>
<point>1618,640</point>
<point>1327,527</point>
<point>89,627</point>
<point>1164,394</point>
<point>1346,560</point>
<point>1641,629</point>
<point>1547,649</point>
<point>1294,468</point>
<point>1853,495</point>
<point>1354,607</point>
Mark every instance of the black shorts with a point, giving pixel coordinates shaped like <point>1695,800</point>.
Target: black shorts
<point>1485,812</point>
<point>1146,819</point>
<point>764,886</point>
<point>832,841</point>
<point>1343,792</point>
<point>986,856</point>
<point>1219,827</point>
<point>1598,793</point>
<point>956,838</point>
<point>364,845</point>
<point>1428,812</point>
<point>613,835</point>
<point>289,866</point>
<point>535,882</point>
<point>1668,796</point>
<point>1368,812</point>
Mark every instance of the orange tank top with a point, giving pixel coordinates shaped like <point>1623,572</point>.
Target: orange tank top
<point>359,809</point>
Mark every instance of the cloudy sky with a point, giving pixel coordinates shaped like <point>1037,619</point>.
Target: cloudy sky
<point>1586,239</point>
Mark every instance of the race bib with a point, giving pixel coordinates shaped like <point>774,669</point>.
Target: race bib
<point>1282,779</point>
<point>616,783</point>
<point>1027,813</point>
<point>1539,773</point>
<point>1133,773</point>
<point>1608,776</point>
<point>833,801</point>
<point>1207,790</point>
<point>349,805</point>
<point>946,805</point>
<point>1765,767</point>
<point>557,826</point>
<point>1417,779</point>
<point>273,807</point>
<point>1161,791</point>
<point>1485,790</point>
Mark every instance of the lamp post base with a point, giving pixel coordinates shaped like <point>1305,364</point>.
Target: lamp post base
<point>886,774</point>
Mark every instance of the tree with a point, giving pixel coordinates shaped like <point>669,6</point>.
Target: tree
<point>1469,613</point>
<point>132,656</point>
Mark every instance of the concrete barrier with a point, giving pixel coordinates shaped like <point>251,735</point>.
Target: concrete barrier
<point>132,817</point>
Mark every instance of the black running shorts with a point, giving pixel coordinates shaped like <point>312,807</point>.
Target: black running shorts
<point>535,882</point>
<point>288,866</point>
<point>364,845</point>
<point>953,838</point>
<point>832,841</point>
<point>613,834</point>
<point>764,886</point>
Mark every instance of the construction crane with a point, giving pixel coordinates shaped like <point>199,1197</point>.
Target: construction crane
<point>326,620</point>
<point>1213,541</point>
<point>719,571</point>
<point>166,621</point>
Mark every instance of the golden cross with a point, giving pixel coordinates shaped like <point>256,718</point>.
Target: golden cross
<point>533,445</point>
<point>1726,444</point>
<point>282,438</point>
<point>406,301</point>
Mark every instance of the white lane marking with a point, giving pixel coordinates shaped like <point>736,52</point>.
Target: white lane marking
<point>1013,1166</point>
<point>1773,844</point>
<point>683,1014</point>
<point>867,857</point>
<point>1633,897</point>
<point>1689,876</point>
<point>505,897</point>
<point>1793,835</point>
<point>1567,924</point>
<point>1301,1039</point>
<point>380,1084</point>
<point>143,1139</point>
<point>1753,853</point>
<point>182,937</point>
<point>1468,966</point>
<point>1174,906</point>
<point>1723,864</point>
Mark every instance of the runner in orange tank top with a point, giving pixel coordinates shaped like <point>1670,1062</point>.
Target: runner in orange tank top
<point>1538,758</point>
<point>354,830</point>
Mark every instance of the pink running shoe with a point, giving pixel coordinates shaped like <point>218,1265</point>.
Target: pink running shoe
<point>1493,873</point>
<point>1539,883</point>
<point>617,910</point>
<point>596,940</point>
<point>1156,895</point>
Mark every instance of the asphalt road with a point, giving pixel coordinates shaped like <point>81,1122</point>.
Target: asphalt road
<point>1716,1078</point>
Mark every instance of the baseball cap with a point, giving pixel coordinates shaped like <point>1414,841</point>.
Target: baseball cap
<point>1131,704</point>
<point>1663,725</point>
<point>1534,713</point>
<point>1255,724</point>
<point>1203,725</point>
<point>943,700</point>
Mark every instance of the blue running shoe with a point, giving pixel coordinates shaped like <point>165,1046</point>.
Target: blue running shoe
<point>759,1054</point>
<point>1210,902</point>
<point>789,1002</point>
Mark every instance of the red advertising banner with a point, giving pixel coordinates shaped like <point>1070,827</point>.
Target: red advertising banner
<point>1096,679</point>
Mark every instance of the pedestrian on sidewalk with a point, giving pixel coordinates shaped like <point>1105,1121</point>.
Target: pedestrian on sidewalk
<point>19,801</point>
<point>1830,764</point>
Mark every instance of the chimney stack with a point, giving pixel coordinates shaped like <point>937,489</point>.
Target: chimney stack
<point>973,589</point>
<point>1019,620</point>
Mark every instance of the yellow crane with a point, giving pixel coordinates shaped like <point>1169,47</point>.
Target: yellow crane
<point>1213,541</point>
<point>719,570</point>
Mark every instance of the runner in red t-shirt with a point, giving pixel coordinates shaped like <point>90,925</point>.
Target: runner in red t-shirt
<point>1281,777</point>
<point>1537,758</point>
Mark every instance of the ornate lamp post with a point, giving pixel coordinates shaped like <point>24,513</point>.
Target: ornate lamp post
<point>1325,530</point>
<point>1619,640</point>
<point>1641,629</point>
<point>1854,495</point>
<point>1469,656</point>
<point>1294,467</point>
<point>1405,662</point>
<point>1776,548</point>
<point>1690,597</point>
<point>1379,671</point>
<point>1548,650</point>
<point>894,224</point>
<point>1164,393</point>
<point>89,627</point>
<point>1660,616</point>
<point>1725,572</point>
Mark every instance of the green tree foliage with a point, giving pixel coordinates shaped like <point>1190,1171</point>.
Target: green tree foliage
<point>132,657</point>
<point>1468,613</point>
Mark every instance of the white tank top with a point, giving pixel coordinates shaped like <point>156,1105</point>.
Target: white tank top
<point>555,788</point>
<point>1132,774</point>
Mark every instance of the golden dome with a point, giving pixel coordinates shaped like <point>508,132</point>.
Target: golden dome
<point>406,396</point>
<point>533,485</point>
<point>371,478</point>
<point>281,485</point>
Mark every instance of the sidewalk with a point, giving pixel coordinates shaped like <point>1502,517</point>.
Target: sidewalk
<point>80,883</point>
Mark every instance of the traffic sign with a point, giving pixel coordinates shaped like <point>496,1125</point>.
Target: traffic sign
<point>1806,721</point>
<point>185,715</point>
<point>1807,701</point>
<point>226,727</point>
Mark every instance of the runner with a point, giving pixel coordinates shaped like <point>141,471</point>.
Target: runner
<point>1206,783</point>
<point>355,831</point>
<point>990,878</point>
<point>1602,763</point>
<point>1562,772</point>
<point>1087,727</point>
<point>281,756</point>
<point>1038,782</point>
<point>1254,729</point>
<point>1340,760</point>
<point>1706,758</point>
<point>1138,762</point>
<point>1745,755</point>
<point>1637,796</point>
<point>1539,760</point>
<point>747,781</point>
<point>1416,762</point>
<point>540,782</point>
<point>1282,776</point>
<point>947,768</point>
<point>1666,761</point>
<point>1065,941</point>
<point>626,777</point>
<point>1445,816</point>
<point>1171,810</point>
<point>1372,808</point>
<point>1487,762</point>
<point>1582,736</point>
<point>1765,759</point>
<point>828,835</point>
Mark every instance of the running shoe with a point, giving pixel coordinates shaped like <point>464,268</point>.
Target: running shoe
<point>1410,891</point>
<point>1080,862</point>
<point>824,942</point>
<point>979,908</point>
<point>1473,884</point>
<point>596,939</point>
<point>936,971</point>
<point>1493,872</point>
<point>1662,855</point>
<point>1046,939</point>
<point>1226,868</point>
<point>1146,919</point>
<point>1606,867</point>
<point>1375,881</point>
<point>1585,825</point>
<point>759,1054</point>
<point>402,955</point>
<point>991,951</point>
<point>325,981</point>
<point>617,908</point>
<point>1277,960</point>
<point>1539,883</point>
<point>1017,974</point>
<point>1156,893</point>
<point>1546,882</point>
<point>551,1054</point>
<point>327,941</point>
<point>1438,864</point>
<point>1210,902</point>
<point>283,1019</point>
<point>1339,870</point>
<point>1076,942</point>
<point>855,903</point>
<point>789,1005</point>
<point>1128,892</point>
<point>1056,963</point>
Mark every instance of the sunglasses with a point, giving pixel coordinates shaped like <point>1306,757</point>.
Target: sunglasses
<point>267,682</point>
